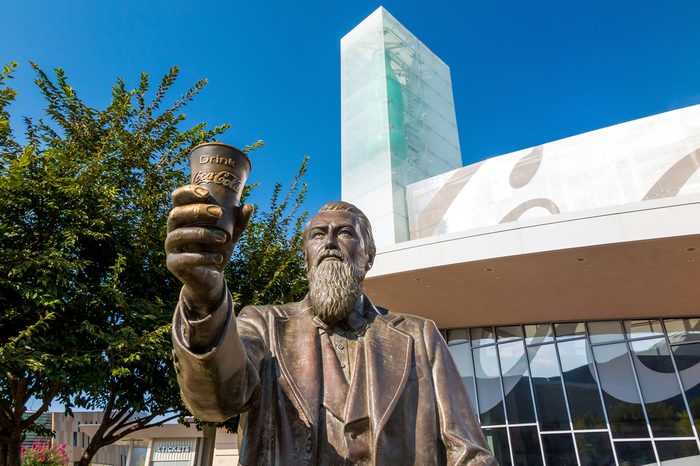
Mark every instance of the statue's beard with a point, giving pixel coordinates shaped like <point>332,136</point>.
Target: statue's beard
<point>334,286</point>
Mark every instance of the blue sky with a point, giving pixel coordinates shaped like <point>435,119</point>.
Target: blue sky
<point>524,72</point>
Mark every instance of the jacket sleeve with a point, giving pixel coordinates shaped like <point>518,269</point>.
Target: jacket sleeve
<point>459,428</point>
<point>217,370</point>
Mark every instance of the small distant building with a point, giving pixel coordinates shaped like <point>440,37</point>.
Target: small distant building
<point>177,445</point>
<point>166,445</point>
<point>71,431</point>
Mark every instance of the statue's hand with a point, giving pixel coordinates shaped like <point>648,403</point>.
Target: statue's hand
<point>197,252</point>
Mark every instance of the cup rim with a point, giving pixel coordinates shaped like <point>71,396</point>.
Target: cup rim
<point>236,149</point>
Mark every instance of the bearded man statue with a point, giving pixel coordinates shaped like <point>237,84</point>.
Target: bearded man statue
<point>329,380</point>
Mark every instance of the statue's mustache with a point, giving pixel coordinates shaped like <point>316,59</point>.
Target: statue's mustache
<point>330,253</point>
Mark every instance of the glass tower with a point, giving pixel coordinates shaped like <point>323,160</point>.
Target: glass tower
<point>398,121</point>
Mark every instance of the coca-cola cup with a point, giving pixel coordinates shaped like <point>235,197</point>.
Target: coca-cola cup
<point>222,170</point>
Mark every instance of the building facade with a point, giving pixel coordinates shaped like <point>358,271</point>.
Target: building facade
<point>176,445</point>
<point>75,432</point>
<point>165,445</point>
<point>566,276</point>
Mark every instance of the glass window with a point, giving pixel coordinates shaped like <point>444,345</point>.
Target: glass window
<point>488,386</point>
<point>605,331</point>
<point>516,385</point>
<point>509,333</point>
<point>497,440</point>
<point>620,391</point>
<point>138,453</point>
<point>643,328</point>
<point>457,336</point>
<point>637,453</point>
<point>567,330</point>
<point>526,446</point>
<point>540,333</point>
<point>682,330</point>
<point>482,336</point>
<point>462,355</point>
<point>594,449</point>
<point>75,439</point>
<point>660,389</point>
<point>688,363</point>
<point>675,449</point>
<point>559,450</point>
<point>546,383</point>
<point>581,387</point>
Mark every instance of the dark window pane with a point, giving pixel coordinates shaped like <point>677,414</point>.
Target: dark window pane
<point>488,386</point>
<point>619,391</point>
<point>682,330</point>
<point>497,440</point>
<point>540,333</point>
<point>688,362</point>
<point>457,336</point>
<point>568,330</point>
<point>526,446</point>
<point>605,331</point>
<point>643,328</point>
<point>546,383</point>
<point>482,336</point>
<point>509,333</point>
<point>594,449</point>
<point>635,453</point>
<point>660,389</point>
<point>559,450</point>
<point>516,384</point>
<point>462,355</point>
<point>674,449</point>
<point>581,387</point>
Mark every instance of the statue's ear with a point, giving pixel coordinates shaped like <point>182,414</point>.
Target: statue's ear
<point>370,263</point>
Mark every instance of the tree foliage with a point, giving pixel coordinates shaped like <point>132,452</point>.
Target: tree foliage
<point>267,266</point>
<point>85,298</point>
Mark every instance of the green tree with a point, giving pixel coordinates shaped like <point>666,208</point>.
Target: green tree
<point>85,296</point>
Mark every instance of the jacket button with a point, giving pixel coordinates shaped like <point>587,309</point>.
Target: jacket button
<point>308,445</point>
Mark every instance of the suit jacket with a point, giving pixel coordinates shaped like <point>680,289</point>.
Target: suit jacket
<point>409,405</point>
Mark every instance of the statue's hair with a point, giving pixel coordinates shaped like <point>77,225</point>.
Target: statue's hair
<point>365,226</point>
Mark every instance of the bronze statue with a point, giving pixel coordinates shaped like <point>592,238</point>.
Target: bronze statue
<point>330,380</point>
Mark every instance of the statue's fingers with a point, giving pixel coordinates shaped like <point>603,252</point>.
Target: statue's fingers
<point>242,219</point>
<point>193,214</point>
<point>187,261</point>
<point>190,194</point>
<point>180,239</point>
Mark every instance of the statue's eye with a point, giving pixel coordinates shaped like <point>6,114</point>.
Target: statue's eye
<point>317,234</point>
<point>347,232</point>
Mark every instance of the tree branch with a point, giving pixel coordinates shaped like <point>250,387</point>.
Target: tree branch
<point>136,425</point>
<point>46,402</point>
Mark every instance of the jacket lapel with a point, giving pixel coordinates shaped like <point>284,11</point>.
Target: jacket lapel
<point>388,355</point>
<point>296,346</point>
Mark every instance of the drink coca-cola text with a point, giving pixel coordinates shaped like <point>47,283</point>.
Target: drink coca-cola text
<point>223,178</point>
